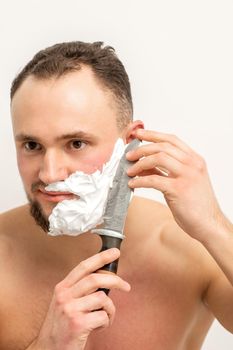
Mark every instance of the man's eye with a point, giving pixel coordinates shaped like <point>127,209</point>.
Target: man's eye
<point>32,146</point>
<point>77,144</point>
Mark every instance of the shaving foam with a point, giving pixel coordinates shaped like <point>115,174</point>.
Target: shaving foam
<point>75,216</point>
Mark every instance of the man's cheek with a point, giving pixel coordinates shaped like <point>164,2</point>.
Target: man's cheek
<point>27,179</point>
<point>27,172</point>
<point>24,169</point>
<point>96,162</point>
<point>89,166</point>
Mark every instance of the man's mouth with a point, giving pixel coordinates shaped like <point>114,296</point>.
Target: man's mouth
<point>55,197</point>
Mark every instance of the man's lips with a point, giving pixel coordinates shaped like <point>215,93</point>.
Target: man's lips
<point>55,197</point>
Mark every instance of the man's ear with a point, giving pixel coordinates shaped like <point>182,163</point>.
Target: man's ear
<point>129,133</point>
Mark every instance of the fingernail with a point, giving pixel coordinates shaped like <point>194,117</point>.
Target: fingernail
<point>128,154</point>
<point>115,251</point>
<point>128,286</point>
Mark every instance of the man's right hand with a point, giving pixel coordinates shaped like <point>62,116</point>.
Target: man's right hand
<point>77,308</point>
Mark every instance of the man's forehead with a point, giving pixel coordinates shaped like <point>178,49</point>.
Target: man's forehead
<point>71,91</point>
<point>82,79</point>
<point>72,106</point>
<point>69,99</point>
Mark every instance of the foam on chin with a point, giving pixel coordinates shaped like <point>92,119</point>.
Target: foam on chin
<point>75,216</point>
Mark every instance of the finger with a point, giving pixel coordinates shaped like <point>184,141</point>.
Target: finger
<point>90,265</point>
<point>98,319</point>
<point>154,136</point>
<point>161,160</point>
<point>93,303</point>
<point>154,171</point>
<point>153,148</point>
<point>157,182</point>
<point>91,283</point>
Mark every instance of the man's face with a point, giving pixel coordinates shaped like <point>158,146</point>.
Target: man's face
<point>61,126</point>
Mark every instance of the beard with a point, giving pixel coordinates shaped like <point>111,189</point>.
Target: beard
<point>37,213</point>
<point>36,210</point>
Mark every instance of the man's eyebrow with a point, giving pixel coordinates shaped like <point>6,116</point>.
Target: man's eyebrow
<point>74,135</point>
<point>25,137</point>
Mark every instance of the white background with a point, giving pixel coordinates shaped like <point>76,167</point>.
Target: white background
<point>179,57</point>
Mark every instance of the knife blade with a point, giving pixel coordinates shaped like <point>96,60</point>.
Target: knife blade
<point>118,198</point>
<point>117,203</point>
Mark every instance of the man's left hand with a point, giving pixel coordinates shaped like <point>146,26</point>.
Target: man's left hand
<point>169,165</point>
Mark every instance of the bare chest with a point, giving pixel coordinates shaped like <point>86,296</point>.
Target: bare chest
<point>22,314</point>
<point>160,319</point>
<point>151,316</point>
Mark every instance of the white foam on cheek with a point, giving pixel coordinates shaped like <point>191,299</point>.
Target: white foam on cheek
<point>73,217</point>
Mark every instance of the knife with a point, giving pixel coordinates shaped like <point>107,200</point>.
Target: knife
<point>112,229</point>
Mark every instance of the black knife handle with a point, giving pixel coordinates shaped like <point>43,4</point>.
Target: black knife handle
<point>107,243</point>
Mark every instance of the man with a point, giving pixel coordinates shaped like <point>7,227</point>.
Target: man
<point>69,106</point>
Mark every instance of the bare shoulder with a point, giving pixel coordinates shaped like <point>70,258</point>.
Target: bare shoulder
<point>14,212</point>
<point>147,212</point>
<point>15,222</point>
<point>165,243</point>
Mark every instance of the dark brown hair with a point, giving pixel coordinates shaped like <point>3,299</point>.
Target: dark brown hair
<point>63,58</point>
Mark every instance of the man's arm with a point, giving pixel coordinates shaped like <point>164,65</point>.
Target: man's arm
<point>172,167</point>
<point>219,295</point>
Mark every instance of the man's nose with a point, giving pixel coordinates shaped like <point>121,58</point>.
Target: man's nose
<point>53,168</point>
